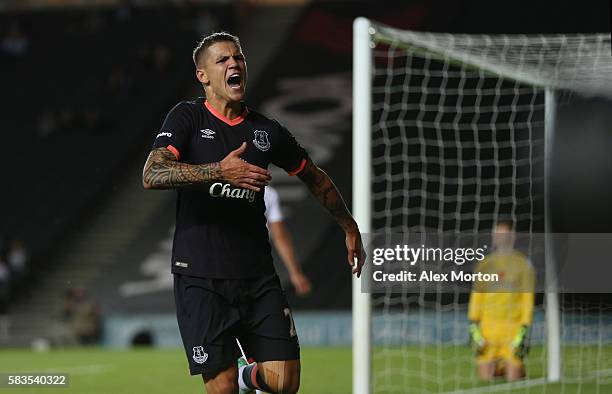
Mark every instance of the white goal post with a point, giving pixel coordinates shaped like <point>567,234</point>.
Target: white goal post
<point>362,120</point>
<point>526,72</point>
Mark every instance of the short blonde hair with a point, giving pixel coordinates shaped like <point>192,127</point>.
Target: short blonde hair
<point>211,39</point>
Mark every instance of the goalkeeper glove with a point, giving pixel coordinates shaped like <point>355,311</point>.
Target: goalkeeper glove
<point>476,338</point>
<point>520,343</point>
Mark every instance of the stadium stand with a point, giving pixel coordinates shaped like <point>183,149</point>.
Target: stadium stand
<point>82,94</point>
<point>75,122</point>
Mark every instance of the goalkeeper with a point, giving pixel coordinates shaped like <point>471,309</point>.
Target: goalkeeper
<point>501,313</point>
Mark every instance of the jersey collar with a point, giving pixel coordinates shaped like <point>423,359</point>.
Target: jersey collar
<point>218,115</point>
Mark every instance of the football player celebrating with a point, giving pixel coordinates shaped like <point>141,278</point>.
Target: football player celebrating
<point>215,152</point>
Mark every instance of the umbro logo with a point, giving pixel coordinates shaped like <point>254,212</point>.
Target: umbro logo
<point>208,133</point>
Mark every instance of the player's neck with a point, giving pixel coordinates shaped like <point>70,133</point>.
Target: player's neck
<point>228,109</point>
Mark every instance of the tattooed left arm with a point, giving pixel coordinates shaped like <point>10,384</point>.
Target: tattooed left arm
<point>324,190</point>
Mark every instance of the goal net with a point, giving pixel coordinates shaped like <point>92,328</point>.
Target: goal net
<point>451,133</point>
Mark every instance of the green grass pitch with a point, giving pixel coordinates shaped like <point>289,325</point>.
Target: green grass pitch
<point>324,370</point>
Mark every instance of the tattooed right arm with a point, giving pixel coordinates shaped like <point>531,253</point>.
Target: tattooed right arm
<point>163,171</point>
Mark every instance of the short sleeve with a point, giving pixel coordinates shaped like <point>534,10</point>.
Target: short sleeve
<point>175,131</point>
<point>273,209</point>
<point>289,154</point>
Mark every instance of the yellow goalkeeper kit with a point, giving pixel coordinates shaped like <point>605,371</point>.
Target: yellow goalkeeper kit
<point>502,308</point>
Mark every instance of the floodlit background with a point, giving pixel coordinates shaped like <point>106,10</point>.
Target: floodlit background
<point>85,85</point>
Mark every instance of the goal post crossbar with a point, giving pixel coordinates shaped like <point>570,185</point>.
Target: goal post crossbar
<point>589,53</point>
<point>420,46</point>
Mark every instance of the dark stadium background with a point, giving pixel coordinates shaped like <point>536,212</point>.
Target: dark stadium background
<point>81,104</point>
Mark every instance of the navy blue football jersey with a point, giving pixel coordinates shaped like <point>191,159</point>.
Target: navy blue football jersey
<point>220,228</point>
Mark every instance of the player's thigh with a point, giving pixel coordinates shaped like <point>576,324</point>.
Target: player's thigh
<point>208,324</point>
<point>281,376</point>
<point>514,370</point>
<point>224,382</point>
<point>486,370</point>
<point>270,333</point>
<point>514,364</point>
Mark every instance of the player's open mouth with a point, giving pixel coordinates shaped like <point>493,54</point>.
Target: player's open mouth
<point>234,81</point>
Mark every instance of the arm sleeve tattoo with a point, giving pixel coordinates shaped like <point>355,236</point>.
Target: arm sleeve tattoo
<point>324,190</point>
<point>163,171</point>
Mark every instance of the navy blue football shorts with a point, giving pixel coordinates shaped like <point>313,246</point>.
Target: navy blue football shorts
<point>213,313</point>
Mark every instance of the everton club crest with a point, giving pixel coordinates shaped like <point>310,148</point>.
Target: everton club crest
<point>199,355</point>
<point>261,140</point>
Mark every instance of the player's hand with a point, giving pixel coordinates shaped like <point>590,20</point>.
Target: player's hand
<point>301,284</point>
<point>356,255</point>
<point>476,338</point>
<point>520,343</point>
<point>240,173</point>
